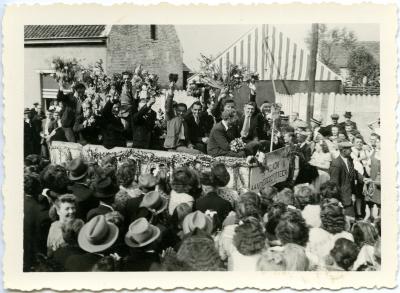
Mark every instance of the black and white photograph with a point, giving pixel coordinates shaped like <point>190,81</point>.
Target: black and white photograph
<point>156,148</point>
<point>170,150</point>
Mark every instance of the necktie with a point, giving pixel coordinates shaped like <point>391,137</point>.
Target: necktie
<point>246,127</point>
<point>196,119</point>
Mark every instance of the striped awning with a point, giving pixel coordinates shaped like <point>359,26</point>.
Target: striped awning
<point>274,56</point>
<point>49,93</point>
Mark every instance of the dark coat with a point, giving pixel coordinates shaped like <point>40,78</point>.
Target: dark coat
<point>83,262</point>
<point>219,141</point>
<point>100,210</point>
<point>141,261</point>
<point>61,255</point>
<point>345,180</point>
<point>36,227</point>
<point>215,203</point>
<point>305,153</point>
<point>88,134</point>
<point>132,210</point>
<point>85,200</point>
<point>112,128</point>
<point>32,137</point>
<point>71,108</point>
<point>198,131</point>
<point>143,122</point>
<point>255,125</point>
<point>343,124</point>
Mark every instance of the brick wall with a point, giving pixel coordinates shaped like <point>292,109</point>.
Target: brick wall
<point>131,45</point>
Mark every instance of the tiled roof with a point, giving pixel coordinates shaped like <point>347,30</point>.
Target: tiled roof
<point>49,32</point>
<point>340,55</point>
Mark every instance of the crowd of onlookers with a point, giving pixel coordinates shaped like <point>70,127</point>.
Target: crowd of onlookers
<point>103,216</point>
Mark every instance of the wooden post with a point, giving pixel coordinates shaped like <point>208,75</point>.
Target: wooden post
<point>311,72</point>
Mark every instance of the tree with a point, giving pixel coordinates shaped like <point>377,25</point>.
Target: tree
<point>362,64</point>
<point>329,41</point>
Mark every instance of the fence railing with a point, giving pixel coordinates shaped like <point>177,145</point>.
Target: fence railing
<point>364,108</point>
<point>361,90</point>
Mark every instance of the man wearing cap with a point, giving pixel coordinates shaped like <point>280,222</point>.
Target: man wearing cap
<point>342,173</point>
<point>328,128</point>
<point>347,116</point>
<point>85,200</point>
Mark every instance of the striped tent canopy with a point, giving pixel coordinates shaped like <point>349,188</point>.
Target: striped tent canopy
<point>267,51</point>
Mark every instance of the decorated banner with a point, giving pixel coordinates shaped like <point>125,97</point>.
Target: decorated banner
<point>275,170</point>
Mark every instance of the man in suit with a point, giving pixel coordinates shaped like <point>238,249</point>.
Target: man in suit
<point>342,173</point>
<point>222,134</point>
<point>303,147</point>
<point>72,107</point>
<point>177,138</point>
<point>31,134</point>
<point>143,121</point>
<point>328,128</point>
<point>198,127</point>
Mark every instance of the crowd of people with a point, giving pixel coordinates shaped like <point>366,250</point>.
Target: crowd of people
<point>104,216</point>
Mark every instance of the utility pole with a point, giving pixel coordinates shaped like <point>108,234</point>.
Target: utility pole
<point>312,68</point>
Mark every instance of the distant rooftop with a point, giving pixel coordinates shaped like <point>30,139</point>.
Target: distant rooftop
<point>51,32</point>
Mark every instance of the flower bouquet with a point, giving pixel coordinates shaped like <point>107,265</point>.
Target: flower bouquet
<point>237,145</point>
<point>66,71</point>
<point>146,83</point>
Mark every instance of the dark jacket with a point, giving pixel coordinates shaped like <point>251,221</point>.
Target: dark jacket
<point>85,200</point>
<point>88,134</point>
<point>100,210</point>
<point>112,128</point>
<point>342,125</point>
<point>305,153</point>
<point>198,131</point>
<point>345,180</point>
<point>219,141</point>
<point>215,203</point>
<point>143,122</point>
<point>36,227</point>
<point>83,262</point>
<point>255,125</point>
<point>31,138</point>
<point>61,255</point>
<point>141,261</point>
<point>71,108</point>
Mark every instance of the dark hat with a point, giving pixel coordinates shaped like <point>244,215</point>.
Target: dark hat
<point>147,181</point>
<point>104,188</point>
<point>154,201</point>
<point>197,220</point>
<point>141,233</point>
<point>335,117</point>
<point>97,235</point>
<point>77,169</point>
<point>347,114</point>
<point>36,104</point>
<point>27,111</point>
<point>220,175</point>
<point>285,117</point>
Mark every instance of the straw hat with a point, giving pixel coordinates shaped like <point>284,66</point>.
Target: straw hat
<point>197,220</point>
<point>97,235</point>
<point>141,233</point>
<point>154,201</point>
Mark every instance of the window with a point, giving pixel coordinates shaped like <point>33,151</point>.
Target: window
<point>153,32</point>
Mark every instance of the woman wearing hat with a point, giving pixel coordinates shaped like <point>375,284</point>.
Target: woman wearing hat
<point>96,238</point>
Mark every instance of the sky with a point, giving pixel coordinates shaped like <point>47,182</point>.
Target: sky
<point>212,39</point>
